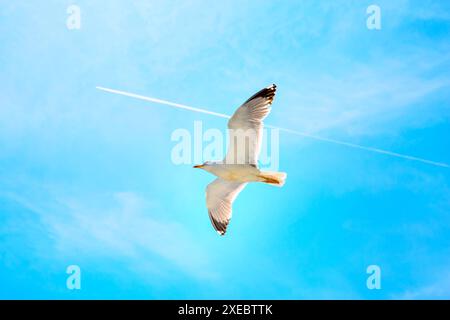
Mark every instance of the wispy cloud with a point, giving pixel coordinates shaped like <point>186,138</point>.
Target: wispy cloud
<point>437,289</point>
<point>116,226</point>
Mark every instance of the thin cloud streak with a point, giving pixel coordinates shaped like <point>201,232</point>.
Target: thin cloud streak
<point>168,103</point>
<point>303,134</point>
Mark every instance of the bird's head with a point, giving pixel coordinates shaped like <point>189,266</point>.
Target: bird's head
<point>205,165</point>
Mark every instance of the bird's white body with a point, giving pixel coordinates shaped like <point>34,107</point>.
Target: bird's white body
<point>234,172</point>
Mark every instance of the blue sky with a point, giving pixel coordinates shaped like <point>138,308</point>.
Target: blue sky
<point>86,177</point>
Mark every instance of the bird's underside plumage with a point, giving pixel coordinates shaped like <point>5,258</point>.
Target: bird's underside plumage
<point>240,165</point>
<point>220,195</point>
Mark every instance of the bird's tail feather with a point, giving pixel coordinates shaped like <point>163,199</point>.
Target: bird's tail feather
<point>273,178</point>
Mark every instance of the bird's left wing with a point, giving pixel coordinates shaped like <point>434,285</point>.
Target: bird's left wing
<point>245,127</point>
<point>220,195</point>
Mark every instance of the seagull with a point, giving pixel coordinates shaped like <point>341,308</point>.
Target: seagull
<point>240,165</point>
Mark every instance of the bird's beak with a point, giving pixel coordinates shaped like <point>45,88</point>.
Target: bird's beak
<point>199,166</point>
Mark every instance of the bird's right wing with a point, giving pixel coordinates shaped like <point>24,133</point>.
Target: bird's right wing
<point>220,195</point>
<point>245,128</point>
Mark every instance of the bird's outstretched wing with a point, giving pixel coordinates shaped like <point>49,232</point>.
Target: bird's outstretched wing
<point>220,195</point>
<point>245,128</point>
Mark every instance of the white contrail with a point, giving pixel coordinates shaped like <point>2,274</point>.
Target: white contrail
<point>303,134</point>
<point>168,103</point>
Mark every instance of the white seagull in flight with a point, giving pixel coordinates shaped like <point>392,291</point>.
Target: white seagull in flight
<point>240,165</point>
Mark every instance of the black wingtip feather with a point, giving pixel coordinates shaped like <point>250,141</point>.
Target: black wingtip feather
<point>220,227</point>
<point>267,93</point>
